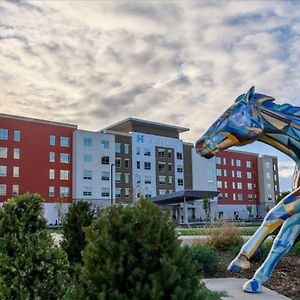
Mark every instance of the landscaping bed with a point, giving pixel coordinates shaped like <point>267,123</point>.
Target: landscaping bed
<point>285,279</point>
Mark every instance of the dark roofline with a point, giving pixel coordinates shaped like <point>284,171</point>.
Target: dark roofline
<point>150,124</point>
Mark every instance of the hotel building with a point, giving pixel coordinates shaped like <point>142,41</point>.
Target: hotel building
<point>125,160</point>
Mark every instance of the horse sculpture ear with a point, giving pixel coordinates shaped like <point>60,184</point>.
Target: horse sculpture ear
<point>249,95</point>
<point>264,98</point>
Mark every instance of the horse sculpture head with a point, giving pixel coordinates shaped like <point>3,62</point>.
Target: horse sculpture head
<point>241,124</point>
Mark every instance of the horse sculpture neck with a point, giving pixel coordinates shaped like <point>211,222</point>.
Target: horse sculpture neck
<point>282,128</point>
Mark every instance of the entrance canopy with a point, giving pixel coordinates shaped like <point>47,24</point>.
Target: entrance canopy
<point>182,196</point>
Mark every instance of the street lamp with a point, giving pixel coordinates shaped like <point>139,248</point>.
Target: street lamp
<point>111,184</point>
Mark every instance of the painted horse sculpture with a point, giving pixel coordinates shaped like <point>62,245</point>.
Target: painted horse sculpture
<point>255,117</point>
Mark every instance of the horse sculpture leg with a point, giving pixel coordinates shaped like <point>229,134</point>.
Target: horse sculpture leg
<point>282,244</point>
<point>276,216</point>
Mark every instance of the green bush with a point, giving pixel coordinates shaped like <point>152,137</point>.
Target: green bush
<point>296,248</point>
<point>80,215</point>
<point>234,251</point>
<point>133,253</point>
<point>263,251</point>
<point>31,266</point>
<point>206,259</point>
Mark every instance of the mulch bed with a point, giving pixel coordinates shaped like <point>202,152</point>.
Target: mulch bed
<point>285,279</point>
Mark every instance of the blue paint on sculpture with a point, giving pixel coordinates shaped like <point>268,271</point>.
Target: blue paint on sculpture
<point>255,117</point>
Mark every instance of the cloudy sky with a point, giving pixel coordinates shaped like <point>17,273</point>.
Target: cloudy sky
<point>94,63</point>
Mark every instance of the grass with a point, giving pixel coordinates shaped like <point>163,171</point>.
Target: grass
<point>206,231</point>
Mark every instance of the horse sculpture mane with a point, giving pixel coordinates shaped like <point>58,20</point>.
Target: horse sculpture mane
<point>255,117</point>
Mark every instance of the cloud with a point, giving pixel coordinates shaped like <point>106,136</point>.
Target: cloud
<point>96,62</point>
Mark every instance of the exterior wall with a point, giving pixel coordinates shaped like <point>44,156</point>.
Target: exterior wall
<point>188,166</point>
<point>231,211</point>
<point>95,151</point>
<point>34,162</point>
<point>233,181</point>
<point>147,141</point>
<point>268,183</point>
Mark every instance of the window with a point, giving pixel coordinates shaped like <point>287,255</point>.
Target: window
<point>138,150</point>
<point>179,168</point>
<point>51,174</point>
<point>126,178</point>
<point>118,148</point>
<point>219,172</point>
<point>17,135</point>
<point>148,194</point>
<point>249,175</point>
<point>87,191</point>
<point>248,164</point>
<point>210,182</point>
<point>2,189</point>
<point>105,160</point>
<point>220,196</point>
<point>87,174</point>
<point>87,158</point>
<point>105,192</point>
<point>147,165</point>
<point>238,174</point>
<point>218,160</point>
<point>226,196</point>
<point>170,180</point>
<point>274,168</point>
<point>118,193</point>
<point>170,167</point>
<point>232,162</point>
<point>15,190</point>
<point>180,181</point>
<point>64,141</point>
<point>126,163</point>
<point>52,156</point>
<point>225,184</point>
<point>51,191</point>
<point>232,173</point>
<point>118,162</point>
<point>249,185</point>
<point>3,136</point>
<point>233,185</point>
<point>179,155</point>
<point>3,152</point>
<point>52,140</point>
<point>268,175</point>
<point>126,193</point>
<point>64,175</point>
<point>138,164</point>
<point>267,165</point>
<point>161,152</point>
<point>162,192</point>
<point>3,171</point>
<point>238,163</point>
<point>210,172</point>
<point>87,142</point>
<point>224,173</point>
<point>64,191</point>
<point>219,184</point>
<point>126,148</point>
<point>234,197</point>
<point>117,177</point>
<point>105,144</point>
<point>275,177</point>
<point>161,167</point>
<point>169,153</point>
<point>254,186</point>
<point>147,152</point>
<point>224,161</point>
<point>64,158</point>
<point>270,197</point>
<point>137,179</point>
<point>250,197</point>
<point>105,175</point>
<point>147,180</point>
<point>268,186</point>
<point>240,197</point>
<point>239,186</point>
<point>162,180</point>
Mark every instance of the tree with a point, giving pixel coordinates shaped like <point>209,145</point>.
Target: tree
<point>282,195</point>
<point>31,266</point>
<point>133,253</point>
<point>79,216</point>
<point>206,207</point>
<point>249,210</point>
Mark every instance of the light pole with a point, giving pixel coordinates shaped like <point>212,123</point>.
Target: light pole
<point>111,184</point>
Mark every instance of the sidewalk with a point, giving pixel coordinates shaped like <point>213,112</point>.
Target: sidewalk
<point>233,288</point>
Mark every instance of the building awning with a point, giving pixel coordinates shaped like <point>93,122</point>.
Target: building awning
<point>184,195</point>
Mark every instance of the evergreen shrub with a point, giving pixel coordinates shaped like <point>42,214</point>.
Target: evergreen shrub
<point>296,248</point>
<point>206,259</point>
<point>79,216</point>
<point>133,253</point>
<point>31,266</point>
